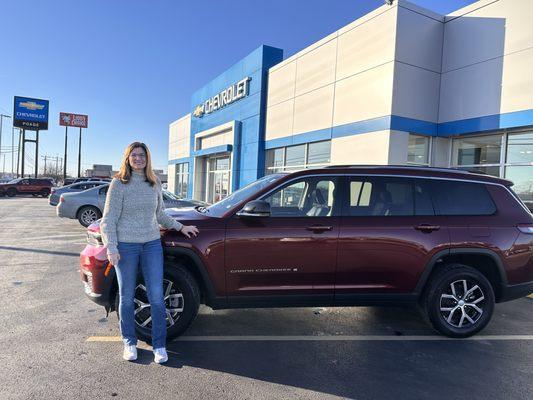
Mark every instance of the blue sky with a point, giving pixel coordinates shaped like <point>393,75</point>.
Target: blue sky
<point>132,65</point>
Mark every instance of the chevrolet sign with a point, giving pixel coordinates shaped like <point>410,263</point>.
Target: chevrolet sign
<point>30,114</point>
<point>230,95</point>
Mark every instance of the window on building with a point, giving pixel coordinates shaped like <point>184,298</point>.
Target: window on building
<point>478,153</point>
<point>418,150</point>
<point>508,155</point>
<point>519,165</point>
<point>182,179</point>
<point>298,157</point>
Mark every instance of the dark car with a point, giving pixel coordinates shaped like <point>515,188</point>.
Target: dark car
<point>453,242</point>
<point>36,187</point>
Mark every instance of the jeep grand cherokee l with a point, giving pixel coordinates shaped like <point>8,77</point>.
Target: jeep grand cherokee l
<point>451,241</point>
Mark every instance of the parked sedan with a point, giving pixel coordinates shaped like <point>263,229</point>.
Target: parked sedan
<point>87,206</point>
<point>53,200</point>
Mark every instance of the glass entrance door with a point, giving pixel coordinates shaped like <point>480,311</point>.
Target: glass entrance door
<point>218,178</point>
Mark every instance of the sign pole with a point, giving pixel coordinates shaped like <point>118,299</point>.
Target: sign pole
<point>37,153</point>
<point>79,157</point>
<point>18,153</point>
<point>23,151</point>
<point>65,162</point>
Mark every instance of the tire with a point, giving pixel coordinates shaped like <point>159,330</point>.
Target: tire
<point>2,193</point>
<point>444,305</point>
<point>182,283</point>
<point>88,214</point>
<point>11,192</point>
<point>45,192</point>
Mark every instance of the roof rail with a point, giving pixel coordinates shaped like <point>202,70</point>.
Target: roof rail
<point>457,170</point>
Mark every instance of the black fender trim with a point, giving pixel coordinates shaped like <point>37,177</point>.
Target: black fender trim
<point>458,251</point>
<point>210,297</point>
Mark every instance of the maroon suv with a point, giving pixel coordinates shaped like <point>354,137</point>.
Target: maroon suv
<point>34,186</point>
<point>452,241</point>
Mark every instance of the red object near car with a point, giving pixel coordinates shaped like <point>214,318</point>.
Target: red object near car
<point>451,241</point>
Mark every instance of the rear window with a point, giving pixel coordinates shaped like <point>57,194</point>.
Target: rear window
<point>462,198</point>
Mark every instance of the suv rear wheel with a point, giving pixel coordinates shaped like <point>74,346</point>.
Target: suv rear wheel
<point>182,299</point>
<point>459,301</point>
<point>88,214</point>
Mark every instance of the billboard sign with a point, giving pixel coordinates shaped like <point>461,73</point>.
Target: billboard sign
<point>75,120</point>
<point>30,114</point>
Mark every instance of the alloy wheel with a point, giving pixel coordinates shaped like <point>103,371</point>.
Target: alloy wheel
<point>89,216</point>
<point>174,304</point>
<point>461,305</point>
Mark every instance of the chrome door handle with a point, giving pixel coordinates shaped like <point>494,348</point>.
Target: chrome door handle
<point>427,228</point>
<point>319,228</point>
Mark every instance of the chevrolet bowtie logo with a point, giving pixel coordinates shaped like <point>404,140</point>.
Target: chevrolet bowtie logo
<point>198,111</point>
<point>31,105</point>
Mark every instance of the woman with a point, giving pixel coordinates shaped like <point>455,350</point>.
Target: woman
<point>133,209</point>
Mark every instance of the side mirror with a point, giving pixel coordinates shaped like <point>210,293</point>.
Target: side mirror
<point>255,208</point>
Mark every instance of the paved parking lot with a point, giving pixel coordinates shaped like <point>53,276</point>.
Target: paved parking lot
<point>56,344</point>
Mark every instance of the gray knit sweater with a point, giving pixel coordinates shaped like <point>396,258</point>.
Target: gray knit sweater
<point>132,212</point>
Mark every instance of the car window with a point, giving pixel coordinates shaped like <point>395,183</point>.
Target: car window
<point>462,198</point>
<point>308,197</point>
<point>384,196</point>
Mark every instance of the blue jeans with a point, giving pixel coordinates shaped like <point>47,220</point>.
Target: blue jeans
<point>150,257</point>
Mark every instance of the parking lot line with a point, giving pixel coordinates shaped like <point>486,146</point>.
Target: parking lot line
<point>325,338</point>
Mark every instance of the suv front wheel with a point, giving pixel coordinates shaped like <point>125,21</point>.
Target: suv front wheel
<point>459,301</point>
<point>182,299</point>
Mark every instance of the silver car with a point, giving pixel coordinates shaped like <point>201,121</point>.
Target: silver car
<point>53,199</point>
<point>87,206</point>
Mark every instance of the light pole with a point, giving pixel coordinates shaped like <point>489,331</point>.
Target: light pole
<point>1,124</point>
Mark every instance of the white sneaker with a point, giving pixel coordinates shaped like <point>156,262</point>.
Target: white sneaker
<point>130,353</point>
<point>160,355</point>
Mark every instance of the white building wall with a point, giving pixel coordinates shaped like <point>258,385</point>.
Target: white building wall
<point>366,148</point>
<point>179,138</point>
<point>488,48</point>
<point>345,77</point>
<point>417,63</point>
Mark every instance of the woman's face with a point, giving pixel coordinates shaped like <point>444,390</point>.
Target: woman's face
<point>137,159</point>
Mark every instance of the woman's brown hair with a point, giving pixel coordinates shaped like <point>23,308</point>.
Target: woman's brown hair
<point>124,174</point>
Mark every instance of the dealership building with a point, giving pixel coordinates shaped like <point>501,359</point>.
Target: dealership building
<point>400,85</point>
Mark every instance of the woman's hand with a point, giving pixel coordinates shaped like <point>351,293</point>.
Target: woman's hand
<point>113,258</point>
<point>189,230</point>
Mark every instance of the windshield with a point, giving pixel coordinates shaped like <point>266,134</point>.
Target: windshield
<point>15,180</point>
<point>218,209</point>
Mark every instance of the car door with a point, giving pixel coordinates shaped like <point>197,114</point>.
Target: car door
<point>291,252</point>
<point>24,186</point>
<point>389,232</point>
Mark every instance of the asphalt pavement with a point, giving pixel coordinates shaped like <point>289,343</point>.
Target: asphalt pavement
<point>57,344</point>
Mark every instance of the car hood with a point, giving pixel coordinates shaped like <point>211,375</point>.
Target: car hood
<point>185,215</point>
